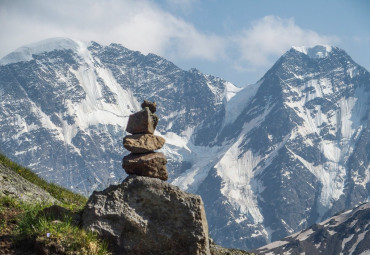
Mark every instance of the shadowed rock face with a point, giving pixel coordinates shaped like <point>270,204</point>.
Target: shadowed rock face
<point>145,215</point>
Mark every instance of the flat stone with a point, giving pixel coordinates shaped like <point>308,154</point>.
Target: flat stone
<point>151,164</point>
<point>148,216</point>
<point>143,143</point>
<point>151,105</point>
<point>143,122</point>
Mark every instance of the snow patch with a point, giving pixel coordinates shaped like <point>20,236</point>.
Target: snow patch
<point>237,102</point>
<point>360,237</point>
<point>304,235</point>
<point>273,245</point>
<point>231,90</point>
<point>318,51</point>
<point>25,53</point>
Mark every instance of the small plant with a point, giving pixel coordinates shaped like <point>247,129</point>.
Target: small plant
<point>59,234</point>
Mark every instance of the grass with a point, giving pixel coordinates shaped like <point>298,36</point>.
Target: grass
<point>66,197</point>
<point>60,236</point>
<point>26,223</point>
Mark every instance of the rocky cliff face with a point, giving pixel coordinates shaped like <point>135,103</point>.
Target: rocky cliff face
<point>345,233</point>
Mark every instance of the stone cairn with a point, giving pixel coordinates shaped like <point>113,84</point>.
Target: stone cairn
<point>143,160</point>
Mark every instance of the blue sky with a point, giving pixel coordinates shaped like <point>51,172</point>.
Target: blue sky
<point>234,39</point>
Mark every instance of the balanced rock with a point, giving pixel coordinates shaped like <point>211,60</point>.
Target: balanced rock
<point>142,122</point>
<point>151,164</point>
<point>148,216</point>
<point>143,143</point>
<point>151,105</point>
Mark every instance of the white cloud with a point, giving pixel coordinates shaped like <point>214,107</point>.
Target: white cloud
<point>144,26</point>
<point>271,36</point>
<point>138,25</point>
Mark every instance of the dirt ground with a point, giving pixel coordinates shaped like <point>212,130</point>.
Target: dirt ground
<point>7,244</point>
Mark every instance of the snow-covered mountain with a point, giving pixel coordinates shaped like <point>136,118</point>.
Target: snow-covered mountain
<point>269,160</point>
<point>65,106</point>
<point>297,153</point>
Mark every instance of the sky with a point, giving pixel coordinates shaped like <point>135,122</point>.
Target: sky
<point>237,40</point>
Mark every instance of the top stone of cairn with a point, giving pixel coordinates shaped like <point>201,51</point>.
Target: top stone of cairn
<point>151,105</point>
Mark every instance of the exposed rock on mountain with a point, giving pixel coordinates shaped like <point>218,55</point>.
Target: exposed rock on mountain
<point>294,155</point>
<point>145,215</point>
<point>14,185</point>
<point>345,233</point>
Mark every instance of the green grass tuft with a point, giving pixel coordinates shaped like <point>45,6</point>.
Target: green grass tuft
<point>58,233</point>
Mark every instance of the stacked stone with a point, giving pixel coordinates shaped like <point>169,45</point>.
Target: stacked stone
<point>143,160</point>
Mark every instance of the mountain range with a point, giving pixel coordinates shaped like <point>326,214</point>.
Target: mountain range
<point>269,159</point>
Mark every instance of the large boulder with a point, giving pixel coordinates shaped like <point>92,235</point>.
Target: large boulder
<point>144,215</point>
<point>143,143</point>
<point>151,164</point>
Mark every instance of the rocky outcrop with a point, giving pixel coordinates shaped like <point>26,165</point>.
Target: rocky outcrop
<point>145,215</point>
<point>14,185</point>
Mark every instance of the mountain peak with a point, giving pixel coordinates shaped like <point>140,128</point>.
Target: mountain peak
<point>318,51</point>
<point>25,53</point>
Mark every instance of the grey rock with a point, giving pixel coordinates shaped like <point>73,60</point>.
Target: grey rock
<point>14,185</point>
<point>149,164</point>
<point>142,122</point>
<point>143,143</point>
<point>148,216</point>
